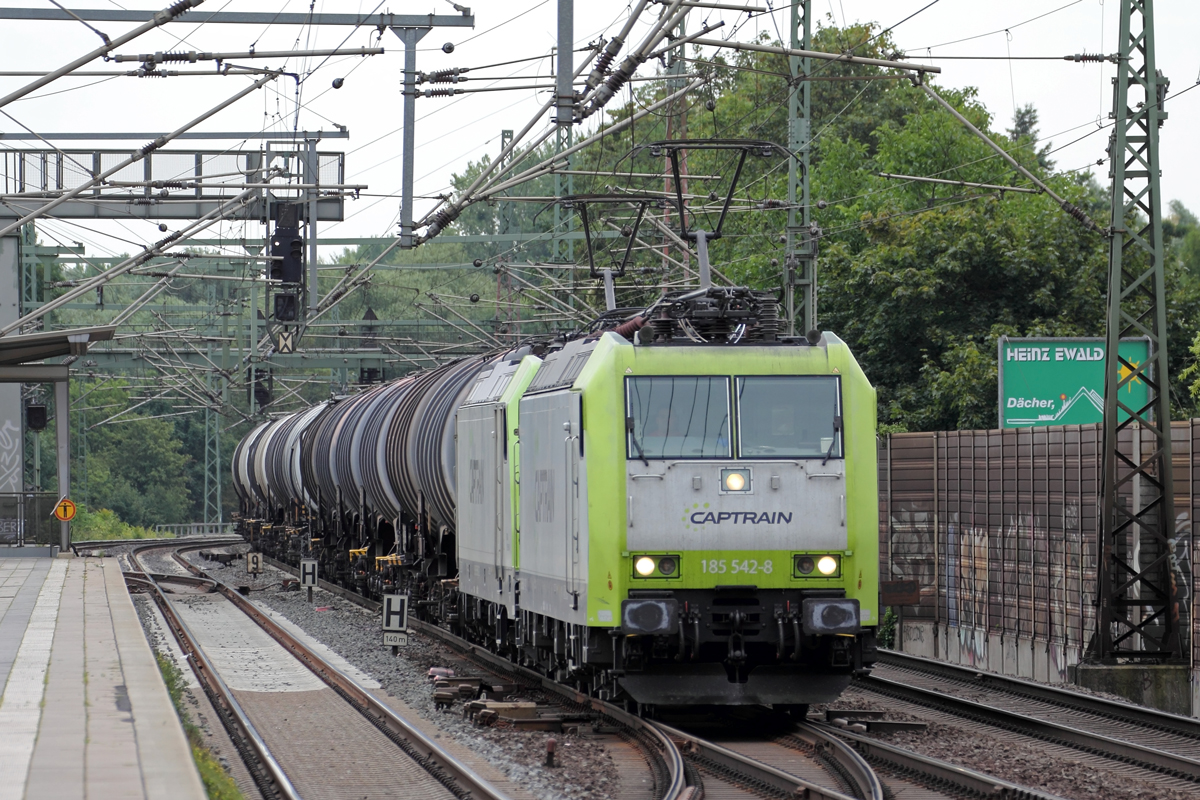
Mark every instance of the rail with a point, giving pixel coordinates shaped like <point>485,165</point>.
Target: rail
<point>1091,704</point>
<point>939,772</point>
<point>1090,742</point>
<point>666,749</point>
<point>432,757</point>
<point>866,782</point>
<point>263,766</point>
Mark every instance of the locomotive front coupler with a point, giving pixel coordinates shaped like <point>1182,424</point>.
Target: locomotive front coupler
<point>736,642</point>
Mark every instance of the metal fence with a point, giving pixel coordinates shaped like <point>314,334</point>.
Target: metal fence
<point>1000,530</point>
<point>198,529</point>
<point>27,519</point>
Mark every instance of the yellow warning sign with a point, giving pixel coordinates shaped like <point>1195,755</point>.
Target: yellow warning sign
<point>65,510</point>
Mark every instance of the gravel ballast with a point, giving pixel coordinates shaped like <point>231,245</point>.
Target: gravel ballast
<point>1037,765</point>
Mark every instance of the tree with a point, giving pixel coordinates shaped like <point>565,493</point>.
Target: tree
<point>133,465</point>
<point>1025,132</point>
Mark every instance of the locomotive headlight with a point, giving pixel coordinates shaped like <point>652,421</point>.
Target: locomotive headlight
<point>827,565</point>
<point>735,480</point>
<point>804,565</point>
<point>644,566</point>
<point>667,566</point>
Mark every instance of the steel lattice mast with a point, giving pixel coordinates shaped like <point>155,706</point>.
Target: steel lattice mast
<point>1136,590</point>
<point>799,263</point>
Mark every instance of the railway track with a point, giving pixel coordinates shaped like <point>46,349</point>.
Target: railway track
<point>811,759</point>
<point>670,777</point>
<point>762,756</point>
<point>284,762</point>
<point>1151,745</point>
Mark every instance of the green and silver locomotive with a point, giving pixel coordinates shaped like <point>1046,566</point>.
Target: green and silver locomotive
<point>679,509</point>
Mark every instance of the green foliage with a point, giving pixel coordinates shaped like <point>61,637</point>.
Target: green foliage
<point>887,629</point>
<point>218,784</point>
<point>133,465</point>
<point>104,524</point>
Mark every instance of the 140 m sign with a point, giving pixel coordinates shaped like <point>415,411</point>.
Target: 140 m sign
<point>1061,381</point>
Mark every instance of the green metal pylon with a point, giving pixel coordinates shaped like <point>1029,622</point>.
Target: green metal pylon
<point>800,251</point>
<point>1137,610</point>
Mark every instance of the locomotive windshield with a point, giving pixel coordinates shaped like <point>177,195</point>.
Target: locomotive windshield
<point>788,416</point>
<point>676,417</point>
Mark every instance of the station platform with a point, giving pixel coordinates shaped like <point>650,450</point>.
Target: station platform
<point>84,711</point>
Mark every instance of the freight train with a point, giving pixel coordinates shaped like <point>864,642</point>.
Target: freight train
<point>675,507</point>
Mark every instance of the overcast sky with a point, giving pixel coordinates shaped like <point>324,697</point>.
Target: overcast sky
<point>1071,98</point>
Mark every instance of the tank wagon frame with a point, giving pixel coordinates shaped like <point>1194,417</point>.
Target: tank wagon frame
<point>680,509</point>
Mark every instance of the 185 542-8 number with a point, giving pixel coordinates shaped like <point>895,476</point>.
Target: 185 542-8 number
<point>722,566</point>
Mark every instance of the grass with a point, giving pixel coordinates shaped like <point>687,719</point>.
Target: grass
<point>218,783</point>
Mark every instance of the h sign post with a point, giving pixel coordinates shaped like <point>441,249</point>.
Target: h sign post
<point>254,563</point>
<point>395,621</point>
<point>308,575</point>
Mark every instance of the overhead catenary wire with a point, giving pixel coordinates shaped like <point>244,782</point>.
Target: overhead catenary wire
<point>149,252</point>
<point>159,19</point>
<point>137,156</point>
<point>1067,206</point>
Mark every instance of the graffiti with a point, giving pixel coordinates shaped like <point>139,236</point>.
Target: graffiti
<point>1001,530</point>
<point>10,457</point>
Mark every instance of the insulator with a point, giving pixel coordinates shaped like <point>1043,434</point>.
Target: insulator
<point>189,56</point>
<point>439,93</point>
<point>604,61</point>
<point>182,7</point>
<point>441,76</point>
<point>1088,58</point>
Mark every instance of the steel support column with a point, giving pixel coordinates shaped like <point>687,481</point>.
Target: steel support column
<point>410,37</point>
<point>1137,615</point>
<point>564,250</point>
<point>799,260</point>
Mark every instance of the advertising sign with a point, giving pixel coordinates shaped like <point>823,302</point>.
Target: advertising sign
<point>1061,381</point>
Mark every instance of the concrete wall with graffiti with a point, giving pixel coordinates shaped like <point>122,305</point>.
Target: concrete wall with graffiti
<point>1001,529</point>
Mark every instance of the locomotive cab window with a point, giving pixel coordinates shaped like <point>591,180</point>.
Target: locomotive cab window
<point>677,417</point>
<point>786,416</point>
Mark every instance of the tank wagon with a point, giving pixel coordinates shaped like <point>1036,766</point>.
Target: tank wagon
<point>678,509</point>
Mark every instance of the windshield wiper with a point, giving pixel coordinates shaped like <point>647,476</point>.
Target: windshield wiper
<point>633,438</point>
<point>837,428</point>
